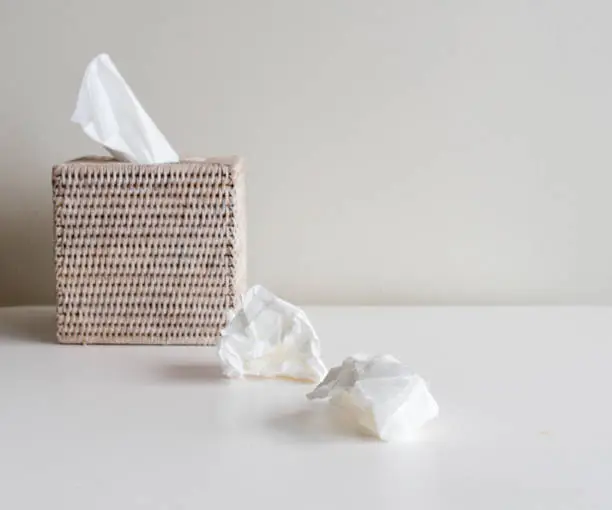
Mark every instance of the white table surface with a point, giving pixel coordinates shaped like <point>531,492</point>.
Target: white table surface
<point>525,419</point>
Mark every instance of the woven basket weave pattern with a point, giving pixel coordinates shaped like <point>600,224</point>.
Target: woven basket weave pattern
<point>149,254</point>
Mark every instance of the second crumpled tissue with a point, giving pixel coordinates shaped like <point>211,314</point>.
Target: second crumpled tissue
<point>110,114</point>
<point>385,398</point>
<point>270,337</point>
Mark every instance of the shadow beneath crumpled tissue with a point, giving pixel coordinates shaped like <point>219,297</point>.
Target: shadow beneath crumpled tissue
<point>316,422</point>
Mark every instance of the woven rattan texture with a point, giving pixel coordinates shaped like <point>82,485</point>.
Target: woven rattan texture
<point>147,254</point>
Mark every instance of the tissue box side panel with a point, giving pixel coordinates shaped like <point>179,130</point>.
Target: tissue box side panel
<point>148,254</point>
<point>241,234</point>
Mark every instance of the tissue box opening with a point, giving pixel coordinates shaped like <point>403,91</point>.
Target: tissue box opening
<point>148,254</point>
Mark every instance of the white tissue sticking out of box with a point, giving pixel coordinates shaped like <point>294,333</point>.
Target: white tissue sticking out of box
<point>270,337</point>
<point>382,395</point>
<point>110,114</point>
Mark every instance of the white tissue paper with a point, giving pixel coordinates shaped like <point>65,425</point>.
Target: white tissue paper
<point>384,397</point>
<point>269,337</point>
<point>110,114</point>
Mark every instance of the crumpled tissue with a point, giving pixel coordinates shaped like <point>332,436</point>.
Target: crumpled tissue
<point>382,395</point>
<point>270,337</point>
<point>110,114</point>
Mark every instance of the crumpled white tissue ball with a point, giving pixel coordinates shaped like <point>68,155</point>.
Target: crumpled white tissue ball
<point>384,397</point>
<point>270,337</point>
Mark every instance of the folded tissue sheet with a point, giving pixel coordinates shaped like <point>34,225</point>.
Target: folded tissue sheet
<point>270,337</point>
<point>381,394</point>
<point>110,114</point>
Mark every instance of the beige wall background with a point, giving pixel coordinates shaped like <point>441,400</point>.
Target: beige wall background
<point>398,151</point>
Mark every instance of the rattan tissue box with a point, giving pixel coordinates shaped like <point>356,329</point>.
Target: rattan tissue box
<point>148,254</point>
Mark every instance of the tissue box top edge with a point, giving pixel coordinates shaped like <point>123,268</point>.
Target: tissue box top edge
<point>233,161</point>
